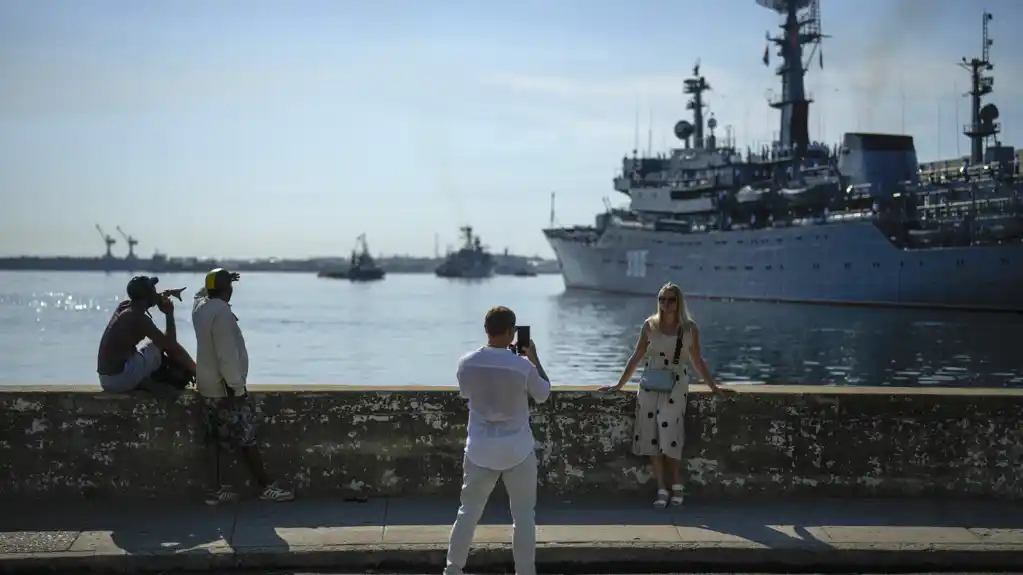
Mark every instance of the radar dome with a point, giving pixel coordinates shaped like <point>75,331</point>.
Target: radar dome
<point>712,123</point>
<point>989,113</point>
<point>683,130</point>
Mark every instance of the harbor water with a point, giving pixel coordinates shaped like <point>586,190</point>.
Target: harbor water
<point>411,329</point>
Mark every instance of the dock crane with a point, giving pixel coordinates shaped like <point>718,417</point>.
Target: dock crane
<point>132,242</point>
<point>110,241</point>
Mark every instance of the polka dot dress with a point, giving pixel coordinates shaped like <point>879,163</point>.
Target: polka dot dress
<point>660,416</point>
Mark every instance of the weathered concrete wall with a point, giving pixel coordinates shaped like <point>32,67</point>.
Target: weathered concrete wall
<point>765,441</point>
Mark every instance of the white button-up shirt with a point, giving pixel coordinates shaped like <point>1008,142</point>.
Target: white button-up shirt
<point>498,384</point>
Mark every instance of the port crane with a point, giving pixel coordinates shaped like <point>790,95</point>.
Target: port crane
<point>132,242</point>
<point>110,241</point>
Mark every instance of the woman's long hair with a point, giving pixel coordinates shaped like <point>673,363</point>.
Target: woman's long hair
<point>684,317</point>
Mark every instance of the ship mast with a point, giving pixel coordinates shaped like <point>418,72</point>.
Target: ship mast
<point>801,26</point>
<point>695,87</point>
<point>982,119</point>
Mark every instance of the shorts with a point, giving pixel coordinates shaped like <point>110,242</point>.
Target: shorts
<point>146,360</point>
<point>231,421</point>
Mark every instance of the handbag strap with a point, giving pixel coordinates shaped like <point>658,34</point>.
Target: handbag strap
<point>678,346</point>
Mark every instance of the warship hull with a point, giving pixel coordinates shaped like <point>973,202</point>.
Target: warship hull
<point>849,263</point>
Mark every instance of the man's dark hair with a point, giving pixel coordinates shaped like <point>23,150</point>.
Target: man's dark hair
<point>500,320</point>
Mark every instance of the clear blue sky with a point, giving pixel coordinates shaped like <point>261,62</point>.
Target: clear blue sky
<point>258,128</point>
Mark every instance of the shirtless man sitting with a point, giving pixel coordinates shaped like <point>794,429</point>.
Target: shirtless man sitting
<point>123,365</point>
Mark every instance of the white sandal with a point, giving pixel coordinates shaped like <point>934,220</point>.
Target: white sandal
<point>662,499</point>
<point>677,494</point>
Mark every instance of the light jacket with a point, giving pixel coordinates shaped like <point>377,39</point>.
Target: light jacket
<point>221,358</point>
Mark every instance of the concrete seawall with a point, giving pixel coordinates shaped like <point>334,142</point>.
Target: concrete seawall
<point>70,442</point>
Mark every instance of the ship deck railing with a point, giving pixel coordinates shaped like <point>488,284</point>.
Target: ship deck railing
<point>964,172</point>
<point>846,216</point>
<point>979,207</point>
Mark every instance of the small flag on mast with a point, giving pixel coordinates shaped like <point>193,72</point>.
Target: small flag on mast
<point>767,59</point>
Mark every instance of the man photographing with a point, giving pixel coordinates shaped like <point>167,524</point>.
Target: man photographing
<point>121,363</point>
<point>221,375</point>
<point>498,384</point>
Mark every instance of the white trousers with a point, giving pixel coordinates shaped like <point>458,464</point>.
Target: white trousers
<point>477,484</point>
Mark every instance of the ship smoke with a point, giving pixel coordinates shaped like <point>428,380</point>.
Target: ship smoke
<point>907,19</point>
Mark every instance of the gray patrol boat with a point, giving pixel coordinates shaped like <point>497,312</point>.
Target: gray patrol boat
<point>472,261</point>
<point>858,223</point>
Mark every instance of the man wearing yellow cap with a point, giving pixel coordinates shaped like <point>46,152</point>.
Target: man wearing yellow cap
<point>222,368</point>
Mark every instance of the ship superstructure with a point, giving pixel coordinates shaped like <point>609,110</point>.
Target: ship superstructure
<point>472,261</point>
<point>801,221</point>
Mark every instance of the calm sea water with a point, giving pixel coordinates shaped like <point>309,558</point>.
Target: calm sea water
<point>411,329</point>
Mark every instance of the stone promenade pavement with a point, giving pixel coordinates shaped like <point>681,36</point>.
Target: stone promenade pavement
<point>605,536</point>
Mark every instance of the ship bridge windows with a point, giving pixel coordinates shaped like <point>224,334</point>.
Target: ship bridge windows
<point>644,166</point>
<point>687,194</point>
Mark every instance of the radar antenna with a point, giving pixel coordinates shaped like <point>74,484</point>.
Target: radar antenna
<point>801,26</point>
<point>982,118</point>
<point>109,240</point>
<point>132,242</point>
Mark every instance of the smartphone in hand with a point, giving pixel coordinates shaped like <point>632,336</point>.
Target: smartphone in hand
<point>522,339</point>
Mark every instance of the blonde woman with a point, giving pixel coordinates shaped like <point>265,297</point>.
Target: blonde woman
<point>669,340</point>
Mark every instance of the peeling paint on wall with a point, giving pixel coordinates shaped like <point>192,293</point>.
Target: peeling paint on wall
<point>758,443</point>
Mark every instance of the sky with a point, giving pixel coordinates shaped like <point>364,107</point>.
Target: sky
<point>266,128</point>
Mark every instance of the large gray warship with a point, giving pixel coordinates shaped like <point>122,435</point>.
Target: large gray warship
<point>858,223</point>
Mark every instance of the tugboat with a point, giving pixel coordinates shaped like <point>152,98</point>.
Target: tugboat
<point>471,261</point>
<point>362,267</point>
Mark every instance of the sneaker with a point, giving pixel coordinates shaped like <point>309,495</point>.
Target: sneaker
<point>276,494</point>
<point>223,495</point>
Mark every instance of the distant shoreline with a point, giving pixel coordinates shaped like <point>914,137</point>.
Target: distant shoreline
<point>396,265</point>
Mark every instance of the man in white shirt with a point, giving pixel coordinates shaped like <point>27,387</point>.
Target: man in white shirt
<point>222,368</point>
<point>498,384</point>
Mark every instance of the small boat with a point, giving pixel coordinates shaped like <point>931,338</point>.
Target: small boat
<point>362,267</point>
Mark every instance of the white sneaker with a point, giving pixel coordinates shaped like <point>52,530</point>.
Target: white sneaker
<point>276,494</point>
